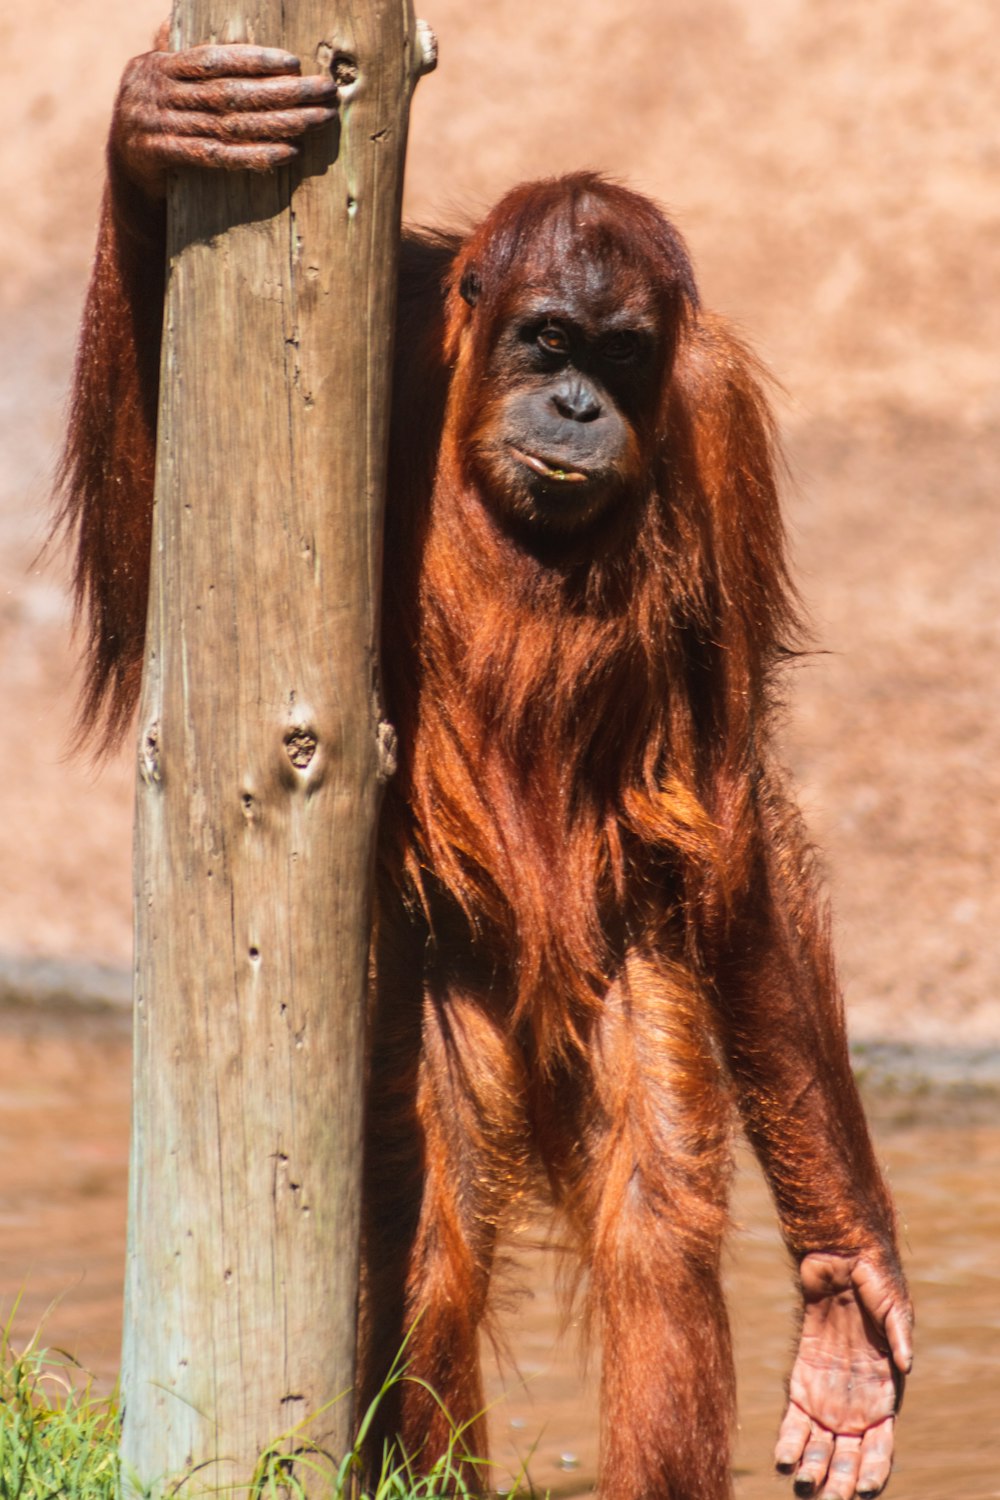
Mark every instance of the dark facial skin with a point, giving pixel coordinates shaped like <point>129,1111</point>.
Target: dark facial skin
<point>574,373</point>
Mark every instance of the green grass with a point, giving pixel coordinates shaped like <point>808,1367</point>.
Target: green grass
<point>58,1441</point>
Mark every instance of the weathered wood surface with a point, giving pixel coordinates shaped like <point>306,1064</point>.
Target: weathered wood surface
<point>261,755</point>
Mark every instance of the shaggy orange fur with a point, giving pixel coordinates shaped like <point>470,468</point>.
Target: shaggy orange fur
<point>598,918</point>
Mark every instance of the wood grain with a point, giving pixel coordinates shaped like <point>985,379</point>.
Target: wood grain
<point>261,757</point>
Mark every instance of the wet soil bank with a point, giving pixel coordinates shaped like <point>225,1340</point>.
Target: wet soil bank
<point>64,1106</point>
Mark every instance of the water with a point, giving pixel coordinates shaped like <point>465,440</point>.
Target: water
<point>63,1162</point>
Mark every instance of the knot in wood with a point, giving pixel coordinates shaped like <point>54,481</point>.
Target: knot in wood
<point>344,69</point>
<point>300,747</point>
<point>149,756</point>
<point>387,750</point>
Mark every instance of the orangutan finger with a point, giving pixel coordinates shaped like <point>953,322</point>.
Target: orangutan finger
<point>876,1459</point>
<point>883,1296</point>
<point>792,1438</point>
<point>899,1332</point>
<point>232,60</point>
<point>197,151</point>
<point>815,1462</point>
<point>235,95</point>
<point>276,125</point>
<point>842,1474</point>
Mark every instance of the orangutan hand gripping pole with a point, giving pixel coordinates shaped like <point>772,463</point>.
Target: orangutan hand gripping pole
<point>598,919</point>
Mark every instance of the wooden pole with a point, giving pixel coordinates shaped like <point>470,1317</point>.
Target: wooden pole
<point>261,757</point>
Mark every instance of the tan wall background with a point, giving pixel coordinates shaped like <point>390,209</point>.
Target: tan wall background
<point>834,167</point>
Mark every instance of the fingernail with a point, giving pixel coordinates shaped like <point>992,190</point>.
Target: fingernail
<point>804,1488</point>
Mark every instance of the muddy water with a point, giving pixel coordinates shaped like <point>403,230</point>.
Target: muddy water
<point>63,1158</point>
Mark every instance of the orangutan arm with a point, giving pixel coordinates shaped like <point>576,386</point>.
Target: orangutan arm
<point>106,472</point>
<point>785,1038</point>
<point>234,107</point>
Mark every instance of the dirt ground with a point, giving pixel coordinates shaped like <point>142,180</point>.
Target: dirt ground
<point>834,167</point>
<point>62,1234</point>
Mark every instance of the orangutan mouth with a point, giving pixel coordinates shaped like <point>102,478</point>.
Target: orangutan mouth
<point>547,470</point>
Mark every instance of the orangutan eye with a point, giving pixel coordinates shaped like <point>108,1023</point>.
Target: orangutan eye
<point>552,339</point>
<point>621,347</point>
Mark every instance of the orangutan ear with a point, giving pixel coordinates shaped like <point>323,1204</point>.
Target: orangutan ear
<point>470,286</point>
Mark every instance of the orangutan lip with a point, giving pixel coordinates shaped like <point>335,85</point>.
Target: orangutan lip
<point>549,471</point>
